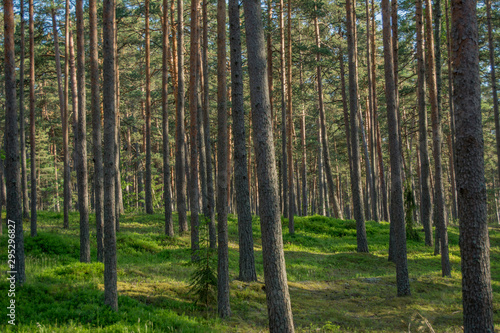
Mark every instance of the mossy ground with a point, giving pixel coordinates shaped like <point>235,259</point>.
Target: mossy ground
<point>332,288</point>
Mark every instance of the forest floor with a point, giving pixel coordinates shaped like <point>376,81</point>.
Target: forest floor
<point>332,288</point>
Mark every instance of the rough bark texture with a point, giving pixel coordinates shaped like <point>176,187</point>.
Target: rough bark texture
<point>108,94</point>
<point>425,194</point>
<point>64,120</point>
<point>223,307</point>
<point>354,129</point>
<point>284,87</point>
<point>437,143</point>
<point>291,190</point>
<point>147,134</point>
<point>96,130</point>
<point>396,207</point>
<point>12,168</point>
<point>246,261</point>
<point>32,123</point>
<point>180,163</point>
<point>169,224</point>
<point>82,173</point>
<point>277,295</point>
<point>194,104</point>
<point>22,132</point>
<point>471,188</point>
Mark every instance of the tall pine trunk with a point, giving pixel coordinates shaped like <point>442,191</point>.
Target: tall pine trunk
<point>277,295</point>
<point>22,132</point>
<point>291,191</point>
<point>471,185</point>
<point>32,124</point>
<point>147,183</point>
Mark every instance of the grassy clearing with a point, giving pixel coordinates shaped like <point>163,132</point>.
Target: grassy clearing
<point>333,288</point>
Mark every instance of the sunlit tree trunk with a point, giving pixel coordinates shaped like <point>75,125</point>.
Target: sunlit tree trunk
<point>32,125</point>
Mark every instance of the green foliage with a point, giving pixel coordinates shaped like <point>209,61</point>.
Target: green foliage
<point>203,280</point>
<point>410,206</point>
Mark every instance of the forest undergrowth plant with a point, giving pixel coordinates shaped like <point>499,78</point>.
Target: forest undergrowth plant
<point>203,280</point>
<point>410,206</point>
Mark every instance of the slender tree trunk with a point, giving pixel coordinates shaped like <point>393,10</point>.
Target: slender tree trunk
<point>304,150</point>
<point>169,224</point>
<point>353,99</point>
<point>284,161</point>
<point>425,194</point>
<point>277,295</point>
<point>64,120</point>
<point>148,190</point>
<point>32,125</point>
<point>223,306</point>
<point>291,194</point>
<point>109,161</point>
<point>74,102</point>
<point>397,213</point>
<point>22,132</point>
<point>474,241</point>
<point>96,130</point>
<point>83,198</point>
<point>180,164</point>
<point>246,261</point>
<point>194,104</point>
<point>437,141</point>
<point>12,175</point>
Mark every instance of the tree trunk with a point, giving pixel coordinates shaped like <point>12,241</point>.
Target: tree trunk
<point>277,295</point>
<point>223,306</point>
<point>291,193</point>
<point>169,224</point>
<point>397,213</point>
<point>180,164</point>
<point>109,161</point>
<point>353,99</point>
<point>32,125</point>
<point>304,150</point>
<point>22,132</point>
<point>83,198</point>
<point>147,183</point>
<point>474,241</point>
<point>284,160</point>
<point>96,130</point>
<point>437,142</point>
<point>12,176</point>
<point>425,194</point>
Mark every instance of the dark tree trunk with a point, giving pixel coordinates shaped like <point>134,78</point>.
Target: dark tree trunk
<point>12,175</point>
<point>169,224</point>
<point>109,161</point>
<point>22,132</point>
<point>194,104</point>
<point>147,183</point>
<point>180,162</point>
<point>437,142</point>
<point>425,194</point>
<point>247,261</point>
<point>284,160</point>
<point>223,306</point>
<point>291,191</point>
<point>32,124</point>
<point>304,151</point>
<point>96,130</point>
<point>471,185</point>
<point>397,213</point>
<point>82,174</point>
<point>277,295</point>
<point>64,120</point>
<point>354,130</point>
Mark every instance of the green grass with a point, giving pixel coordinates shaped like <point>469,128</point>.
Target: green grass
<point>332,288</point>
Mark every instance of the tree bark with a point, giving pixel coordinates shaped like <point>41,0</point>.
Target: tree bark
<point>246,260</point>
<point>109,161</point>
<point>96,130</point>
<point>83,198</point>
<point>180,164</point>
<point>147,182</point>
<point>277,295</point>
<point>223,306</point>
<point>425,194</point>
<point>437,142</point>
<point>22,132</point>
<point>291,191</point>
<point>284,160</point>
<point>397,213</point>
<point>471,185</point>
<point>169,224</point>
<point>12,175</point>
<point>32,123</point>
<point>354,128</point>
